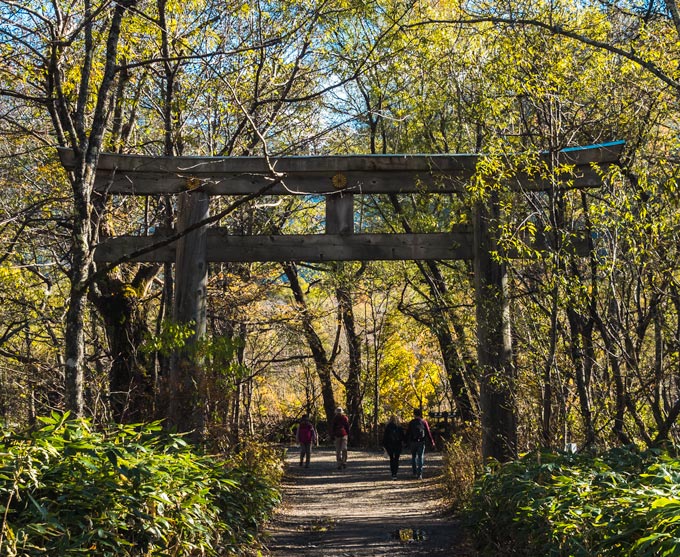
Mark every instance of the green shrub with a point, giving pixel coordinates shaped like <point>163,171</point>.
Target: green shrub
<point>66,490</point>
<point>622,503</point>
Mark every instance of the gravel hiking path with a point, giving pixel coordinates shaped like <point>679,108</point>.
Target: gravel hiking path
<point>360,511</point>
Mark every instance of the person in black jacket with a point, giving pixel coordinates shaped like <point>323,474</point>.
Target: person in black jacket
<point>418,434</point>
<point>393,441</point>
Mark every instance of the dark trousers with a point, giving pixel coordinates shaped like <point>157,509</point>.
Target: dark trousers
<point>305,453</point>
<point>417,458</point>
<point>394,460</point>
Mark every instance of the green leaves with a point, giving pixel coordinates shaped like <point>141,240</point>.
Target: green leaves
<point>129,490</point>
<point>622,503</point>
<point>172,337</point>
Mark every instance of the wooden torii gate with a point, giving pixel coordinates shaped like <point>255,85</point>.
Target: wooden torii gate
<point>192,246</point>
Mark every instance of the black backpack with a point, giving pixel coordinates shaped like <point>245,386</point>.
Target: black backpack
<point>417,430</point>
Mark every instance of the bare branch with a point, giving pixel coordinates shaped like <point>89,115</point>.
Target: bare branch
<point>188,57</point>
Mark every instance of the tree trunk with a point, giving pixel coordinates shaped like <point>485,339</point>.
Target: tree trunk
<point>74,352</point>
<point>547,398</point>
<point>131,384</point>
<point>619,385</point>
<point>321,360</point>
<point>353,384</point>
<point>456,367</point>
<point>578,358</point>
<point>455,370</point>
<point>71,122</point>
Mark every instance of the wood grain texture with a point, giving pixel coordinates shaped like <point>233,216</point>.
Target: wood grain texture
<point>223,247</point>
<point>148,175</point>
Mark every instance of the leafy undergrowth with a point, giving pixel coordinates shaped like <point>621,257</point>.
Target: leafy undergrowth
<point>66,490</point>
<point>622,503</point>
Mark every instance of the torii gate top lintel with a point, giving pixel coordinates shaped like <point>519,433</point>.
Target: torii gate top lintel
<point>391,173</point>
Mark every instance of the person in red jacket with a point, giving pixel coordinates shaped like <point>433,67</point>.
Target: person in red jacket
<point>340,433</point>
<point>306,436</point>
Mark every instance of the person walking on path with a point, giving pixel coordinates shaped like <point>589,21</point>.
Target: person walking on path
<point>306,437</point>
<point>340,433</point>
<point>393,441</point>
<point>417,434</point>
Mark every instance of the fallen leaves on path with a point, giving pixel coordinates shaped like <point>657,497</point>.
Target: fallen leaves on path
<point>361,511</point>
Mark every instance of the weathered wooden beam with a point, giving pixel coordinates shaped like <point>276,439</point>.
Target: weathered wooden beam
<point>190,308</point>
<point>340,213</point>
<point>497,379</point>
<point>223,247</point>
<point>324,164</point>
<point>373,174</point>
<point>191,266</point>
<point>313,183</point>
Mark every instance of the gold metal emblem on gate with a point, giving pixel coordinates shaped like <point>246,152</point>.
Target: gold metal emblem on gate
<point>339,181</point>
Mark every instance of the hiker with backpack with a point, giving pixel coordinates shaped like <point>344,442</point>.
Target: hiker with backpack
<point>417,435</point>
<point>305,436</point>
<point>393,441</point>
<point>340,434</point>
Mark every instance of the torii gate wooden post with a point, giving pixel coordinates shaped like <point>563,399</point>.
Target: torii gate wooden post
<point>338,178</point>
<point>494,340</point>
<point>191,288</point>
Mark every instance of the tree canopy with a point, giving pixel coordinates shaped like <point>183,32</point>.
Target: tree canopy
<point>594,337</point>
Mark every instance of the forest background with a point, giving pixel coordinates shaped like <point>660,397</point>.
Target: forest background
<point>596,339</point>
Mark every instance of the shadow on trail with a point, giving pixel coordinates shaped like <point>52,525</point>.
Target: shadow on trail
<point>360,510</point>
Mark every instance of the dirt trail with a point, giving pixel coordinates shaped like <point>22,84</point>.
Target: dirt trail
<point>359,511</point>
